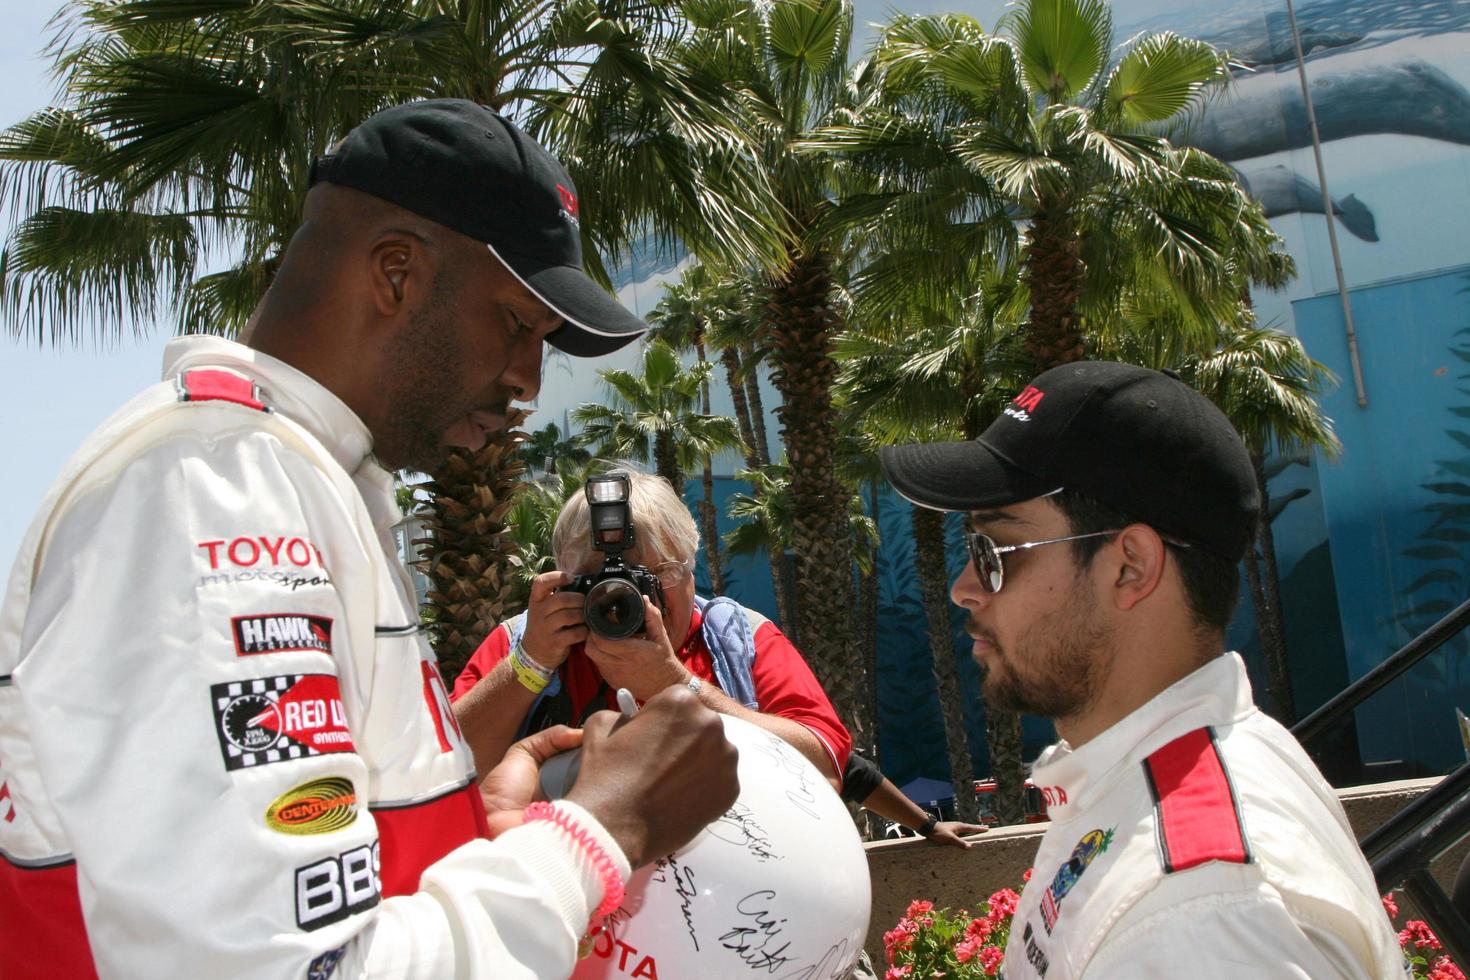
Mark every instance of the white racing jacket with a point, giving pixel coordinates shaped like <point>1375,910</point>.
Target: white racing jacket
<point>1196,839</point>
<point>225,749</point>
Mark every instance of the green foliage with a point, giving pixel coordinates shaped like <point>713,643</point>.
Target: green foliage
<point>188,128</point>
<point>656,413</point>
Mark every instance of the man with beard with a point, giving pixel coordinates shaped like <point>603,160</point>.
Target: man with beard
<point>225,747</point>
<point>1190,834</point>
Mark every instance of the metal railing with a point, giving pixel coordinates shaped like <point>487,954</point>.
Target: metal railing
<point>1401,850</point>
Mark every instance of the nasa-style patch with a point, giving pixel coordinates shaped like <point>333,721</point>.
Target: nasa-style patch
<point>272,719</point>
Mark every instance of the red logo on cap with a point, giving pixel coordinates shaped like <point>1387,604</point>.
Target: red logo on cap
<point>1029,399</point>
<point>568,200</point>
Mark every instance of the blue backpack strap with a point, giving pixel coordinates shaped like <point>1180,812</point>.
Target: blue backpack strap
<point>727,634</point>
<point>516,627</point>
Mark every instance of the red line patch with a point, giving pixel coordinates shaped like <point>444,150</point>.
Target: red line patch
<point>1198,819</point>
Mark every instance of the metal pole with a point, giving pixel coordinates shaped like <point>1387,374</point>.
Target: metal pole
<point>1342,293</point>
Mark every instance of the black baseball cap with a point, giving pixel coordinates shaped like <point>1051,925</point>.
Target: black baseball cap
<point>1138,440</point>
<point>470,169</point>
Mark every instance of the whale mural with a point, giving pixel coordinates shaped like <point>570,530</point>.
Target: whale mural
<point>1352,96</point>
<point>1283,191</point>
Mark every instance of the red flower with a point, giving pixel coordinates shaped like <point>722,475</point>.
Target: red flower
<point>966,949</point>
<point>897,972</point>
<point>979,929</point>
<point>1026,875</point>
<point>917,908</point>
<point>1445,969</point>
<point>1002,904</point>
<point>1390,906</point>
<point>991,958</point>
<point>1419,933</point>
<point>900,938</point>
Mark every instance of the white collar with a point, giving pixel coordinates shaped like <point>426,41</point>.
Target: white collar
<point>1219,693</point>
<point>286,389</point>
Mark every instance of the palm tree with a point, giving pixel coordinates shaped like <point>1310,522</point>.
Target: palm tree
<point>681,319</point>
<point>789,61</point>
<point>899,375</point>
<point>547,449</point>
<point>968,133</point>
<point>656,412</point>
<point>768,519</point>
<point>467,552</point>
<point>185,131</point>
<point>1267,385</point>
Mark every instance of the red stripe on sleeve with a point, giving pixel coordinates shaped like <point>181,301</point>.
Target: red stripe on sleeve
<point>42,935</point>
<point>1195,804</point>
<point>414,837</point>
<point>205,386</point>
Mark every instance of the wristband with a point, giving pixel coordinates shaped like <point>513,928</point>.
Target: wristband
<point>533,676</point>
<point>927,827</point>
<point>694,684</point>
<point>612,880</point>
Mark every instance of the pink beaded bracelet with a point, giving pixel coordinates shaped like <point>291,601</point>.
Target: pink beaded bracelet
<point>612,882</point>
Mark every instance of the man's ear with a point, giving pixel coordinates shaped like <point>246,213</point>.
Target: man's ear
<point>1139,553</point>
<point>394,263</point>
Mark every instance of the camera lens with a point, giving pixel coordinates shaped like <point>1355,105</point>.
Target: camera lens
<point>614,608</point>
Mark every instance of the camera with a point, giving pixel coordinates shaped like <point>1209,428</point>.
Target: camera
<point>614,594</point>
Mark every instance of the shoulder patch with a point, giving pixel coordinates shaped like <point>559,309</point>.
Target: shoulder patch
<point>1195,809</point>
<point>210,385</point>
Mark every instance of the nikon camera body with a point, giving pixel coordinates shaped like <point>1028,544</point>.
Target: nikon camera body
<point>614,593</point>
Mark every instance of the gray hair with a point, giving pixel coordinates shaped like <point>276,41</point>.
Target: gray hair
<point>664,525</point>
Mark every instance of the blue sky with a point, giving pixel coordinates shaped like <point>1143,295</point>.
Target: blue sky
<point>51,397</point>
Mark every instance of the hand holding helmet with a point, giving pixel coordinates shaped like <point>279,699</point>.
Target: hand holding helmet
<point>656,779</point>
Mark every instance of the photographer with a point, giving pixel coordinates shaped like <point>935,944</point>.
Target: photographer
<point>561,669</point>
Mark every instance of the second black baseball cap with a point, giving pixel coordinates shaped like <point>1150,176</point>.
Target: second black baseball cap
<point>1138,440</point>
<point>468,168</point>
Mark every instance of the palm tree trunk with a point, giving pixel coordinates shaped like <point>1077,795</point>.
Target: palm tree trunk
<point>466,551</point>
<point>781,585</point>
<point>1054,274</point>
<point>1003,736</point>
<point>802,323</point>
<point>929,558</point>
<point>868,613</point>
<point>708,526</point>
<point>731,361</point>
<point>752,383</point>
<point>711,532</point>
<point>1269,617</point>
<point>666,462</point>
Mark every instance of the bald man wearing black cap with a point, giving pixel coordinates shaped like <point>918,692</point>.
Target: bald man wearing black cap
<point>1190,835</point>
<point>225,747</point>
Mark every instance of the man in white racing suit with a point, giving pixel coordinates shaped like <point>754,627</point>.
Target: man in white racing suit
<point>225,748</point>
<point>1190,835</point>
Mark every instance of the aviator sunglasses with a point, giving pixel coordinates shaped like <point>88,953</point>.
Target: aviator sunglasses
<point>985,553</point>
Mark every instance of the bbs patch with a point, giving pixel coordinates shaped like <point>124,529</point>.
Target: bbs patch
<point>335,887</point>
<point>272,719</point>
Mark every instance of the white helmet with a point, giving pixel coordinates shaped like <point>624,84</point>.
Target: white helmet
<point>778,886</point>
